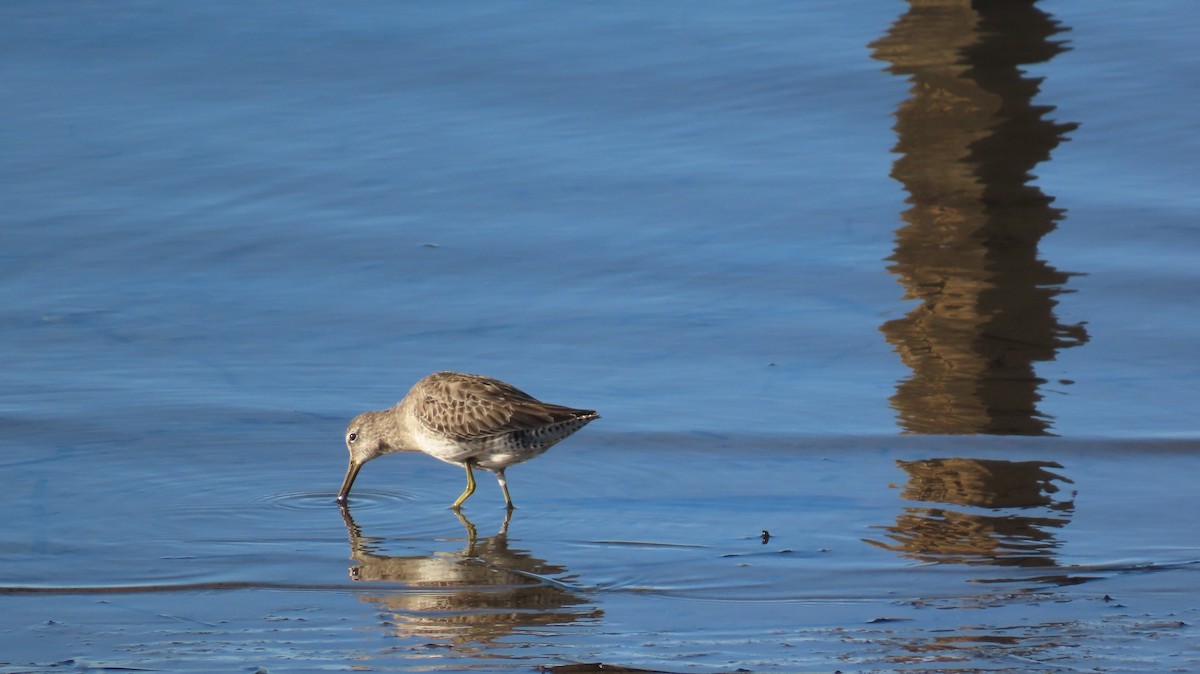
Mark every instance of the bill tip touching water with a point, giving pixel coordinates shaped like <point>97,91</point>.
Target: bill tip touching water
<point>464,419</point>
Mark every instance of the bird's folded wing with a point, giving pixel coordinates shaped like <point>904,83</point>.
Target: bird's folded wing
<point>466,407</point>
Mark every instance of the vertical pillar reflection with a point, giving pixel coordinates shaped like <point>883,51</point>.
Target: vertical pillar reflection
<point>981,511</point>
<point>968,137</point>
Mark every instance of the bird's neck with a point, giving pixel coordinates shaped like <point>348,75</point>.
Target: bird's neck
<point>396,436</point>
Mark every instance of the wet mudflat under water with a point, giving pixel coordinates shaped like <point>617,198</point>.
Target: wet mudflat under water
<point>887,554</point>
<point>888,310</point>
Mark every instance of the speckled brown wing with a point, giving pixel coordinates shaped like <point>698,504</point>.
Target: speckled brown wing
<point>467,406</point>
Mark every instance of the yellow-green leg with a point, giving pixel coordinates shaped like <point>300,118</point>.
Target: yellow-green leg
<point>469,490</point>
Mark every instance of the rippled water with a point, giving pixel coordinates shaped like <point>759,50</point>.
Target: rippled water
<point>888,311</point>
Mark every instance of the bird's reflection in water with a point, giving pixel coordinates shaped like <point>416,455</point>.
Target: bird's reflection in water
<point>475,595</point>
<point>1023,509</point>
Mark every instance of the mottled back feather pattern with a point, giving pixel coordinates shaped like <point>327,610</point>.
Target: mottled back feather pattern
<point>468,407</point>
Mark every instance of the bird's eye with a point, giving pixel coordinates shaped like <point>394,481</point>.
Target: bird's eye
<point>352,437</point>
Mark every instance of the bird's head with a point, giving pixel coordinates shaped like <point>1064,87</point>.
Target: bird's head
<point>365,439</point>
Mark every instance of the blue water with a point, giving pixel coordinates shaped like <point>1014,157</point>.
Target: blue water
<point>779,250</point>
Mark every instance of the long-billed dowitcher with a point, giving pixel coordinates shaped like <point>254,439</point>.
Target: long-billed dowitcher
<point>465,419</point>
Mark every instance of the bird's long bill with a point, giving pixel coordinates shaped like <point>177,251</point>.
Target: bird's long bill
<point>351,473</point>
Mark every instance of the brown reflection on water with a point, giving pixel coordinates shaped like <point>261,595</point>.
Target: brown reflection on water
<point>468,597</point>
<point>968,137</point>
<point>1024,510</point>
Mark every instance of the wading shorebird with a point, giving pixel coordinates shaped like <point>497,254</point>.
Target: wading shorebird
<point>465,419</point>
